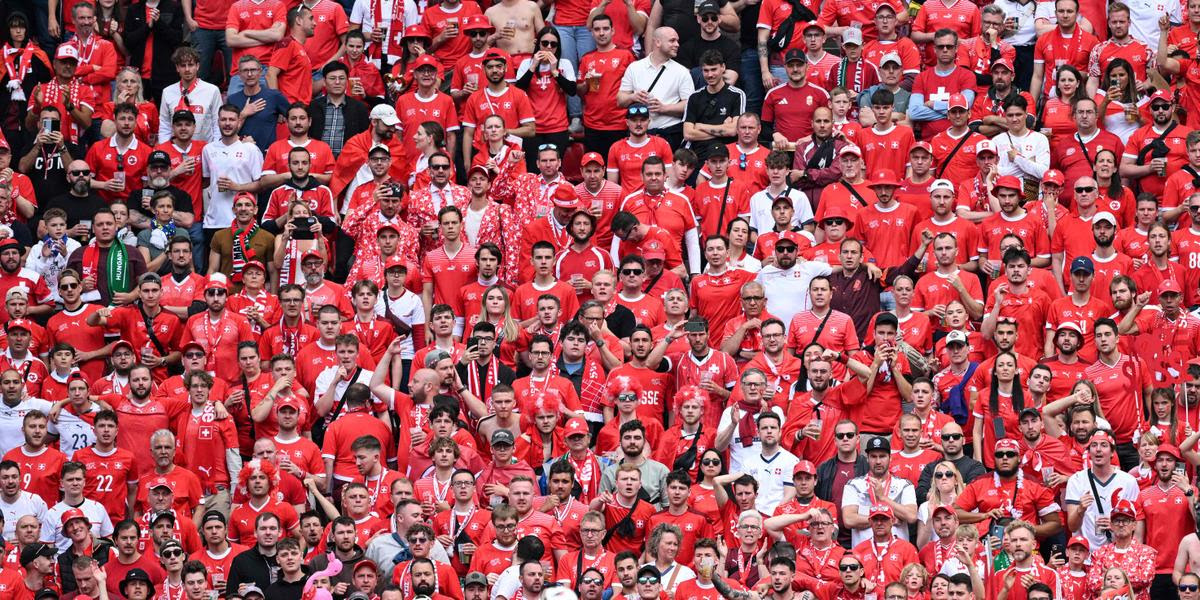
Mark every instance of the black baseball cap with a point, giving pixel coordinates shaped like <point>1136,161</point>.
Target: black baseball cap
<point>183,115</point>
<point>795,54</point>
<point>159,158</point>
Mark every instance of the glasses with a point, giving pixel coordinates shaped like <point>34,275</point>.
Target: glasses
<point>1189,587</point>
<point>79,172</point>
<point>547,147</point>
<point>754,384</point>
<point>477,33</point>
<point>943,475</point>
<point>785,249</point>
<point>462,484</point>
<point>753,298</point>
<point>215,292</point>
<point>648,580</point>
<point>950,437</point>
<point>591,531</point>
<point>509,527</point>
<point>845,436</point>
<point>639,110</point>
<point>710,18</point>
<point>742,160</point>
<point>419,540</point>
<point>540,353</point>
<point>548,43</point>
<point>193,355</point>
<point>711,462</point>
<point>821,524</point>
<point>632,271</point>
<point>67,286</point>
<point>749,527</point>
<point>849,567</point>
<point>176,553</point>
<point>1084,189</point>
<point>291,300</point>
<point>835,221</point>
<point>627,397</point>
<point>945,46</point>
<point>591,581</point>
<point>1160,107</point>
<point>1008,454</point>
<point>440,167</point>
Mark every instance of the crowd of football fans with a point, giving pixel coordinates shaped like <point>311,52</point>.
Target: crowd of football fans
<point>599,299</point>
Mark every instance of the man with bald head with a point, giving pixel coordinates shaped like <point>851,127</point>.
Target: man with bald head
<point>952,442</point>
<point>672,85</point>
<point>79,200</point>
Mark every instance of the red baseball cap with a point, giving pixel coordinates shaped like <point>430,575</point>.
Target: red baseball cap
<point>125,343</point>
<point>1163,95</point>
<point>289,401</point>
<point>576,426</point>
<point>851,149</point>
<point>418,31</point>
<point>4,143</point>
<point>958,101</point>
<point>1124,507</point>
<point>565,196</point>
<point>384,226</point>
<point>254,263</point>
<point>426,60</point>
<point>394,261</point>
<point>19,324</point>
<point>591,157</point>
<point>193,344</point>
<point>1054,176</point>
<point>1078,540</point>
<point>479,169</point>
<point>494,54</point>
<point>804,466</point>
<point>788,236</point>
<point>1007,181</point>
<point>1169,286</point>
<point>653,250</point>
<point>311,254</point>
<point>1003,62</point>
<point>926,146</point>
<point>946,507</point>
<point>158,482</point>
<point>880,510</point>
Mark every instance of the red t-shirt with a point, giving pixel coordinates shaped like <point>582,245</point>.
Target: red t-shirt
<point>1053,50</point>
<point>40,472</point>
<point>1120,389</point>
<point>791,108</point>
<point>625,160</point>
<point>717,297</point>
<point>295,70</point>
<point>219,339</point>
<point>512,104</point>
<point>331,25</point>
<point>600,109</point>
<point>246,15</point>
<point>887,149</point>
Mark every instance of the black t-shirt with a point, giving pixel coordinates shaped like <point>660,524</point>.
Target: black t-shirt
<point>681,15</point>
<point>183,201</point>
<point>693,48</point>
<point>78,209</point>
<point>621,322</point>
<point>49,171</point>
<point>704,107</point>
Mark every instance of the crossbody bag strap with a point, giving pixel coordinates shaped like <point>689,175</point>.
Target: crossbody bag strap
<point>953,151</point>
<point>821,327</point>
<point>854,192</point>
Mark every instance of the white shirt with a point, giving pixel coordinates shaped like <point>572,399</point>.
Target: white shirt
<point>1033,154</point>
<point>1078,485</point>
<point>760,209</point>
<point>25,504</point>
<point>739,454</point>
<point>674,86</point>
<point>1143,18</point>
<point>74,433</point>
<point>858,492</point>
<point>409,309</point>
<point>787,290</point>
<point>10,424</point>
<point>241,162</point>
<point>52,522</point>
<point>774,476</point>
<point>204,101</point>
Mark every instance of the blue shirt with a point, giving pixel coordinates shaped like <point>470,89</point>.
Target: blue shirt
<point>261,125</point>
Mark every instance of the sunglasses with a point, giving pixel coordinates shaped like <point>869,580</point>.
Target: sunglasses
<point>944,475</point>
<point>950,437</point>
<point>845,436</point>
<point>1085,189</point>
<point>68,286</point>
<point>439,167</point>
<point>945,46</point>
<point>849,567</point>
<point>547,147</point>
<point>835,221</point>
<point>548,43</point>
<point>753,298</point>
<point>215,293</point>
<point>477,33</point>
<point>647,580</point>
<point>591,580</point>
<point>172,553</point>
<point>1194,208</point>
<point>1189,587</point>
<point>79,172</point>
<point>194,355</point>
<point>742,160</point>
<point>788,248</point>
<point>1008,454</point>
<point>1160,107</point>
<point>711,462</point>
<point>419,540</point>
<point>632,271</point>
<point>710,18</point>
<point>639,110</point>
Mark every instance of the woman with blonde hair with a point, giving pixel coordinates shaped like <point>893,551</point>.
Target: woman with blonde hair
<point>661,549</point>
<point>946,485</point>
<point>128,86</point>
<point>496,308</point>
<point>915,578</point>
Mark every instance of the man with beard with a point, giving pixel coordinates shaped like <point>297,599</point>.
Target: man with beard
<point>1017,300</point>
<point>875,488</point>
<point>1026,568</point>
<point>653,473</point>
<point>1043,458</point>
<point>231,167</point>
<point>952,441</point>
<point>158,341</point>
<point>423,578</point>
<point>13,274</point>
<point>217,330</point>
<point>1123,381</point>
<point>344,548</point>
<point>942,523</point>
<point>120,157</point>
<point>233,246</point>
<point>141,416</point>
<point>985,501</point>
<point>1168,506</point>
<point>1157,150</point>
<point>319,291</point>
<point>580,260</point>
<point>1066,366</point>
<point>278,155</point>
<point>813,411</point>
<point>45,161</point>
<point>497,98</point>
<point>1079,306</point>
<point>107,265</point>
<point>73,99</point>
<point>299,183</point>
<point>21,358</point>
<point>353,169</point>
<point>786,281</point>
<point>158,178</point>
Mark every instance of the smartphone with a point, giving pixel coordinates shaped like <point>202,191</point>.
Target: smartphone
<point>472,343</point>
<point>1112,82</point>
<point>1180,469</point>
<point>47,125</point>
<point>1057,549</point>
<point>303,229</point>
